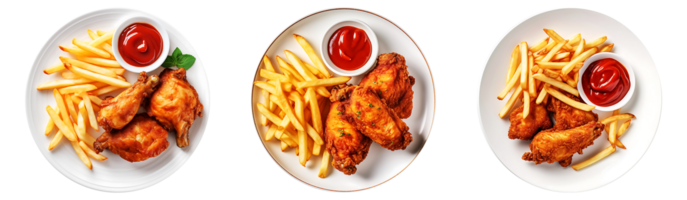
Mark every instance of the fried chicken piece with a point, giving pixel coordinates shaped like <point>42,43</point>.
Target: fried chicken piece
<point>559,145</point>
<point>390,80</point>
<point>175,104</point>
<point>118,111</point>
<point>346,144</point>
<point>139,140</point>
<point>526,128</point>
<point>568,117</point>
<point>373,118</point>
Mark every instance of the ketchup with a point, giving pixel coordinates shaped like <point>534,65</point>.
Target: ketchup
<point>605,82</point>
<point>140,44</point>
<point>349,48</point>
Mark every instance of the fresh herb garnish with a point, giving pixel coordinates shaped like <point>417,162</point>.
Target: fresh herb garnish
<point>372,105</point>
<point>342,134</point>
<point>180,60</point>
<point>373,124</point>
<point>375,82</point>
<point>338,113</point>
<point>358,112</point>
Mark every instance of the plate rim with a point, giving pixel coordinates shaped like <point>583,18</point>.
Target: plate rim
<point>377,14</point>
<point>478,87</point>
<point>29,115</point>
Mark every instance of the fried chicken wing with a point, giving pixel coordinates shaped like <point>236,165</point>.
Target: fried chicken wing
<point>373,118</point>
<point>559,145</point>
<point>391,81</point>
<point>568,117</point>
<point>526,128</point>
<point>344,142</point>
<point>118,111</point>
<point>175,104</point>
<point>139,140</point>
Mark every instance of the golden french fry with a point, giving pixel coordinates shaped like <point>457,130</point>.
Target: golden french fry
<point>90,152</point>
<point>55,140</point>
<point>560,96</point>
<point>576,39</point>
<point>509,105</point>
<point>596,42</point>
<point>265,86</point>
<point>61,124</point>
<point>578,59</point>
<point>69,75</point>
<point>100,32</point>
<point>286,67</point>
<point>273,76</point>
<point>553,52</point>
<point>287,107</point>
<point>607,48</point>
<point>315,111</point>
<point>524,64</point>
<point>78,88</point>
<point>539,45</point>
<point>284,146</point>
<point>118,71</point>
<point>302,145</point>
<point>97,77</point>
<point>298,65</point>
<point>623,128</point>
<point>618,117</point>
<point>560,56</point>
<point>557,84</point>
<point>77,51</point>
<point>87,66</point>
<point>269,115</point>
<point>95,99</point>
<point>542,95</point>
<point>105,90</point>
<point>70,107</point>
<point>82,155</point>
<point>509,86</point>
<point>552,65</point>
<point>270,132</point>
<point>532,85</point>
<point>92,34</point>
<point>51,124</point>
<point>558,38</point>
<point>267,63</point>
<point>107,47</point>
<point>596,158</point>
<point>92,49</point>
<point>91,113</point>
<point>102,39</point>
<point>266,96</point>
<point>324,166</point>
<point>324,82</point>
<point>100,61</point>
<point>54,68</point>
<point>526,104</point>
<point>312,55</point>
<point>551,73</point>
<point>549,46</point>
<point>63,83</point>
<point>514,61</point>
<point>579,49</point>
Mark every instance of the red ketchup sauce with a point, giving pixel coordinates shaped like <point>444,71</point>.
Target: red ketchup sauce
<point>349,48</point>
<point>605,82</point>
<point>140,44</point>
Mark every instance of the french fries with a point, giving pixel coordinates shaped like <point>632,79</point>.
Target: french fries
<point>98,77</point>
<point>618,117</point>
<point>557,84</point>
<point>92,49</point>
<point>560,96</point>
<point>596,158</point>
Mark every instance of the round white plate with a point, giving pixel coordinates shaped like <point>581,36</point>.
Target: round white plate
<point>646,103</point>
<point>114,174</point>
<point>380,165</point>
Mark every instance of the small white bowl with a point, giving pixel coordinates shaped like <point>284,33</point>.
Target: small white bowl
<point>373,41</point>
<point>141,19</point>
<point>630,72</point>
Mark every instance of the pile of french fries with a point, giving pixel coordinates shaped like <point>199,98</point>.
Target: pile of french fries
<point>93,72</point>
<point>547,68</point>
<point>295,102</point>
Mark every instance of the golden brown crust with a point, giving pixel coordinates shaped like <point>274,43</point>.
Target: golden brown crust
<point>391,81</point>
<point>525,129</point>
<point>139,140</point>
<point>345,143</point>
<point>559,145</point>
<point>118,111</point>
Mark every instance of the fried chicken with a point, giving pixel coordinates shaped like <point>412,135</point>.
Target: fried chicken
<point>118,111</point>
<point>559,145</point>
<point>139,140</point>
<point>175,104</point>
<point>372,117</point>
<point>390,80</point>
<point>345,143</point>
<point>568,117</point>
<point>526,128</point>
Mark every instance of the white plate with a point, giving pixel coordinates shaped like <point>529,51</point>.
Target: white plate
<point>380,165</point>
<point>114,174</point>
<point>646,103</point>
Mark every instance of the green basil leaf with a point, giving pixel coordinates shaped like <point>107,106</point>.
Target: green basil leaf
<point>186,61</point>
<point>177,53</point>
<point>169,62</point>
